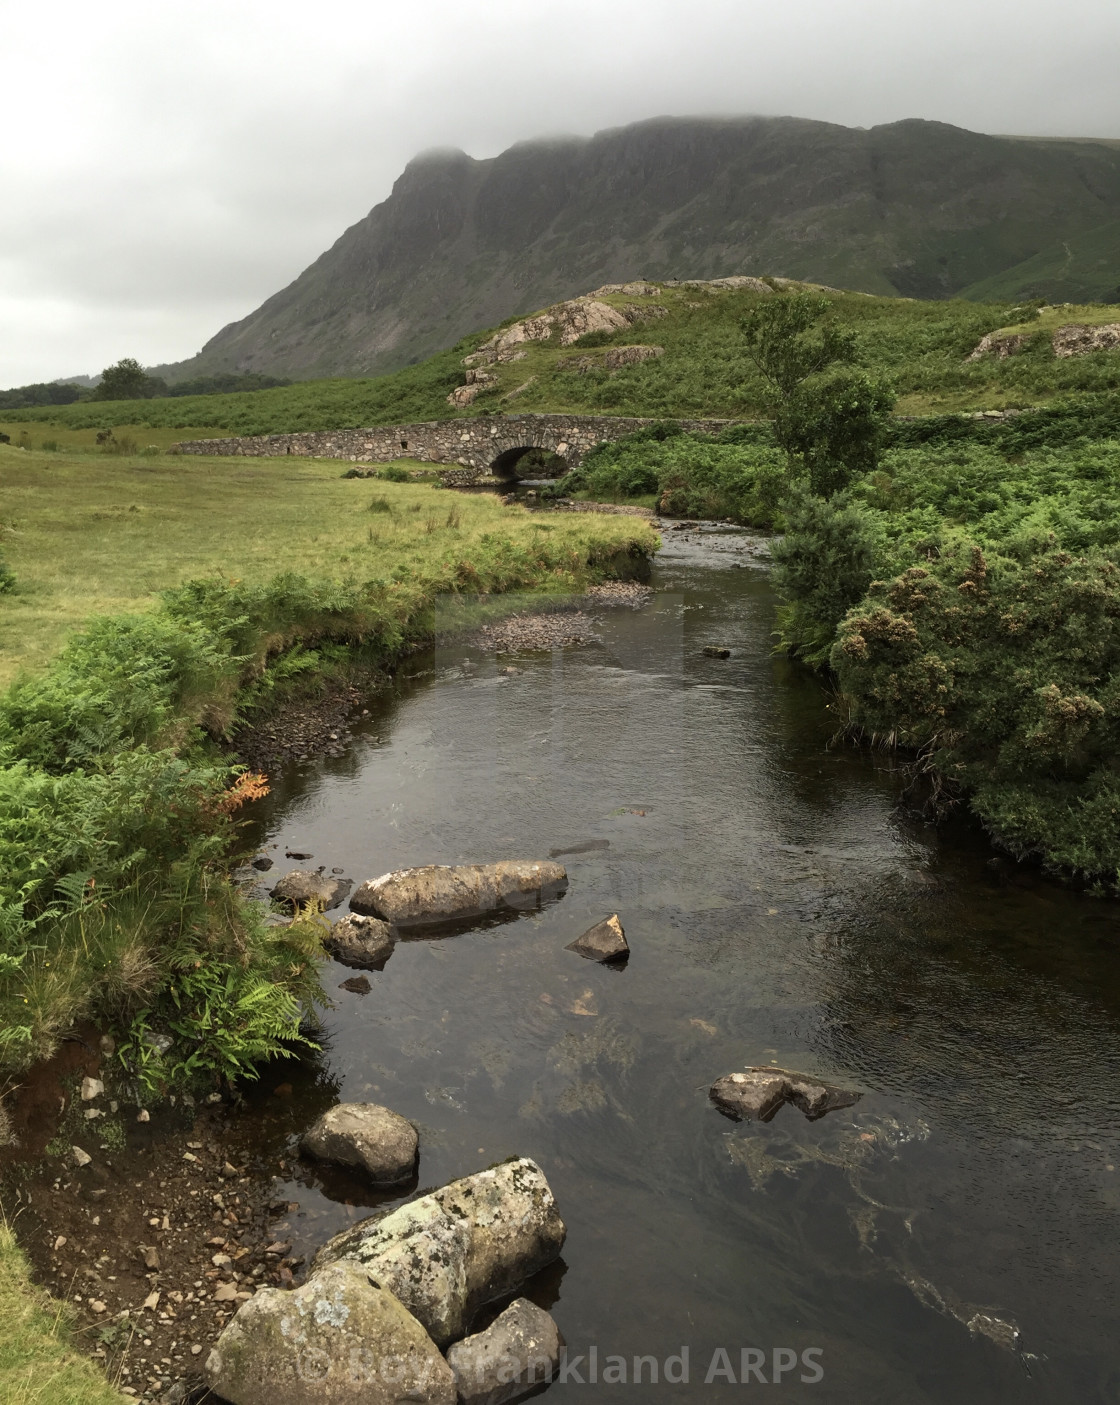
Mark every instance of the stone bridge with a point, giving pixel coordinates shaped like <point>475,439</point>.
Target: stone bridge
<point>489,446</point>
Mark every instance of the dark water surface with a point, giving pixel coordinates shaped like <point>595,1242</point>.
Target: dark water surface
<point>779,908</point>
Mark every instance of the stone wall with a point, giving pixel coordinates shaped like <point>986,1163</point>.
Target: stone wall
<point>471,445</point>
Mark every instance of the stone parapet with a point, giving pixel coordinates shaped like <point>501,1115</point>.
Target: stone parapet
<point>475,445</point>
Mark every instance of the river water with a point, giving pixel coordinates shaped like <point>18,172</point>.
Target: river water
<point>952,1237</point>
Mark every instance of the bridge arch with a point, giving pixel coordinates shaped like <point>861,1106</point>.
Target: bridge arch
<point>529,461</point>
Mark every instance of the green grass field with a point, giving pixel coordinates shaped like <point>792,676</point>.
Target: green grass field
<point>922,346</point>
<point>98,534</point>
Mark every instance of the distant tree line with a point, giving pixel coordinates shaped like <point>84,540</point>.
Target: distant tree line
<point>127,380</point>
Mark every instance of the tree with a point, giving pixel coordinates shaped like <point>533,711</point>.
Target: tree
<point>127,380</point>
<point>829,417</point>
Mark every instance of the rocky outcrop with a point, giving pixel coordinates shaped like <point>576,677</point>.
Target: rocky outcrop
<point>606,941</point>
<point>302,888</point>
<point>1000,345</point>
<point>739,282</point>
<point>340,1339</point>
<point>1078,340</point>
<point>565,322</point>
<point>366,1136</point>
<point>760,1092</point>
<point>447,1253</point>
<point>638,289</point>
<point>435,893</point>
<point>477,382</point>
<point>363,943</point>
<point>1074,339</point>
<point>618,356</point>
<point>519,1350</point>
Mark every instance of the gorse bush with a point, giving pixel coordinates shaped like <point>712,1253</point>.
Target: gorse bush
<point>967,596</point>
<point>1005,674</point>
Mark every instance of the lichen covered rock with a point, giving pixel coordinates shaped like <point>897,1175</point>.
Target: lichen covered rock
<point>759,1092</point>
<point>442,893</point>
<point>360,942</point>
<point>606,941</point>
<point>366,1136</point>
<point>302,886</point>
<point>447,1253</point>
<point>340,1339</point>
<point>519,1350</point>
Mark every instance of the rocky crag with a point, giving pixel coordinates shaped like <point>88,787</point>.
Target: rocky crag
<point>919,209</point>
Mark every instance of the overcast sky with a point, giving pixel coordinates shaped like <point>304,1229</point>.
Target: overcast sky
<point>164,167</point>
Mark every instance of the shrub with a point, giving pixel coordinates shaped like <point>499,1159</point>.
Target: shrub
<point>1002,673</point>
<point>823,566</point>
<point>7,578</point>
<point>394,473</point>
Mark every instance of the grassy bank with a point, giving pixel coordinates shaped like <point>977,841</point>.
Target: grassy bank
<point>703,372</point>
<point>154,601</point>
<point>38,1365</point>
<point>117,803</point>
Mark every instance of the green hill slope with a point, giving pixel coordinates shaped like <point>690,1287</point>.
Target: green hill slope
<point>701,371</point>
<point>1082,266</point>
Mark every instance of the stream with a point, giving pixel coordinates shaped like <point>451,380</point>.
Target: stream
<point>952,1237</point>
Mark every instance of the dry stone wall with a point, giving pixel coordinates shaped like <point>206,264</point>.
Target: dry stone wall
<point>468,447</point>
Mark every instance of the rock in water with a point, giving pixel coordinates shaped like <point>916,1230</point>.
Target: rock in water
<point>441,893</point>
<point>447,1253</point>
<point>338,1340</point>
<point>368,1136</point>
<point>301,887</point>
<point>716,651</point>
<point>360,942</point>
<point>760,1092</point>
<point>606,941</point>
<point>519,1350</point>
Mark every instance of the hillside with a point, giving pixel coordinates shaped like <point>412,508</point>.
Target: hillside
<point>694,368</point>
<point>915,208</point>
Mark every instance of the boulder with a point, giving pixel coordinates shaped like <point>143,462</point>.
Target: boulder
<point>441,893</point>
<point>606,941</point>
<point>716,651</point>
<point>376,1140</point>
<point>301,887</point>
<point>447,1253</point>
<point>760,1092</point>
<point>519,1350</point>
<point>337,1340</point>
<point>360,942</point>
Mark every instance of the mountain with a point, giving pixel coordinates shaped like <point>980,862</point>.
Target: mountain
<point>913,208</point>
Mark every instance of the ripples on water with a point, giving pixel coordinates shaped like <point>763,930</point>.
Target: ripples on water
<point>778,908</point>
